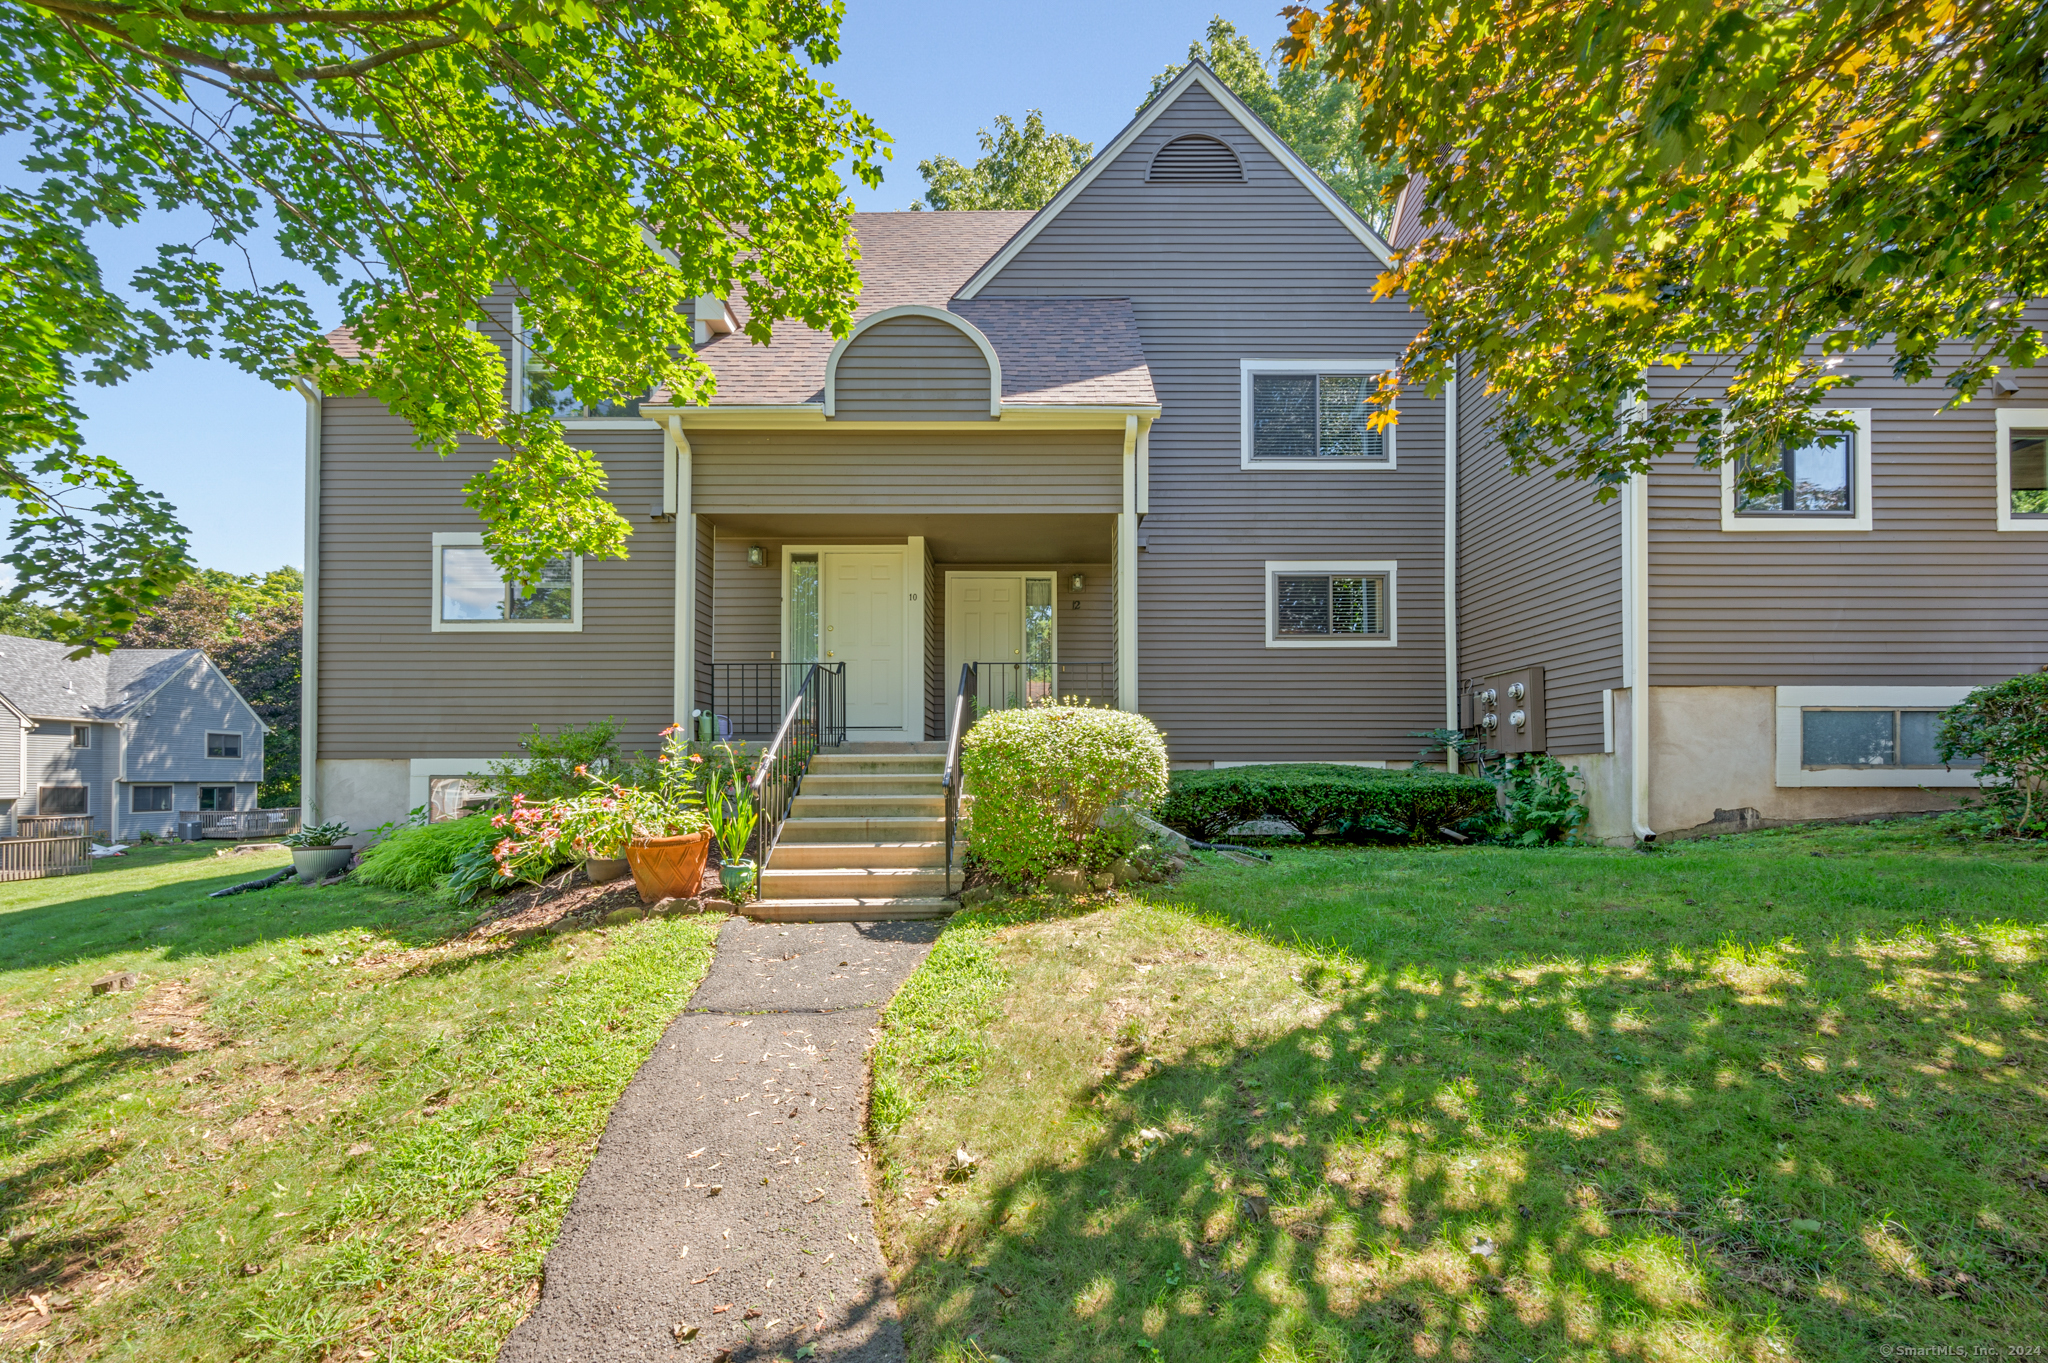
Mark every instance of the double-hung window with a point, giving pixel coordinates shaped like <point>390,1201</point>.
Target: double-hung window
<point>223,745</point>
<point>1818,484</point>
<point>1312,414</point>
<point>470,594</point>
<point>81,735</point>
<point>2022,469</point>
<point>149,799</point>
<point>545,392</point>
<point>1329,604</point>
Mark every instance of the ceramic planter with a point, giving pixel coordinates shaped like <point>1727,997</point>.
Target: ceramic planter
<point>604,870</point>
<point>317,863</point>
<point>737,878</point>
<point>669,868</point>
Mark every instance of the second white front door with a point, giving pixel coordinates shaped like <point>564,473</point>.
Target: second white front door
<point>984,621</point>
<point>864,630</point>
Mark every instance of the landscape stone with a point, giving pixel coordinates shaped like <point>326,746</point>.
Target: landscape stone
<point>1066,880</point>
<point>1126,870</point>
<point>626,914</point>
<point>1102,880</point>
<point>980,894</point>
<point>716,905</point>
<point>116,983</point>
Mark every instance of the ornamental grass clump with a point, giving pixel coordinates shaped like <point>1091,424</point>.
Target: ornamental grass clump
<point>413,860</point>
<point>1041,778</point>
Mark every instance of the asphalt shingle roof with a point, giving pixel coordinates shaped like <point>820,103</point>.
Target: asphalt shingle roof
<point>44,684</point>
<point>1054,350</point>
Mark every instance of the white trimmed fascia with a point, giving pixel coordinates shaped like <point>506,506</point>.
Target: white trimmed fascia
<point>1195,73</point>
<point>1247,368</point>
<point>2009,420</point>
<point>1387,567</point>
<point>1781,522</point>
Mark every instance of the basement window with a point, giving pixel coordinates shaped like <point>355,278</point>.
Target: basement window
<point>60,800</point>
<point>1862,738</point>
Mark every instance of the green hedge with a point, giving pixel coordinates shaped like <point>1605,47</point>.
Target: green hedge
<point>1314,796</point>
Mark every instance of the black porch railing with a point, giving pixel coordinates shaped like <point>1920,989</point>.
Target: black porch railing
<point>751,699</point>
<point>961,718</point>
<point>817,702</point>
<point>1010,686</point>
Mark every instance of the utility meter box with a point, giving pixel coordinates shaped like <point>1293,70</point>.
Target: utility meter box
<point>1506,710</point>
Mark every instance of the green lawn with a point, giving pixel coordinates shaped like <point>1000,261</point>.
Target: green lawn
<point>325,1125</point>
<point>1771,1097</point>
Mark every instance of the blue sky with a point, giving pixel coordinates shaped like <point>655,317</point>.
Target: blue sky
<point>228,450</point>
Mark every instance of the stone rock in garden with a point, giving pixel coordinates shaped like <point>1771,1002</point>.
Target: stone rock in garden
<point>116,983</point>
<point>625,914</point>
<point>716,905</point>
<point>1126,870</point>
<point>670,908</point>
<point>980,894</point>
<point>1175,866</point>
<point>1066,880</point>
<point>1102,880</point>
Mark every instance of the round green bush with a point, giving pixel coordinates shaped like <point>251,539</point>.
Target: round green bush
<point>1041,778</point>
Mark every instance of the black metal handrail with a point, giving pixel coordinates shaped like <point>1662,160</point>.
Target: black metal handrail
<point>951,781</point>
<point>1011,686</point>
<point>750,699</point>
<point>816,717</point>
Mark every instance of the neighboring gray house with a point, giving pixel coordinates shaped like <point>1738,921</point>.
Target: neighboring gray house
<point>127,738</point>
<point>1123,438</point>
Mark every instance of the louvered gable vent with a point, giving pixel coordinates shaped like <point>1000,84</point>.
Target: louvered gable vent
<point>1196,160</point>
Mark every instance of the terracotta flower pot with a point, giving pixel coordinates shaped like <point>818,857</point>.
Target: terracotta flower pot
<point>668,868</point>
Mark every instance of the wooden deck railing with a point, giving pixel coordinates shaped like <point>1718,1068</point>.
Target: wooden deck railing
<point>242,823</point>
<point>34,858</point>
<point>54,825</point>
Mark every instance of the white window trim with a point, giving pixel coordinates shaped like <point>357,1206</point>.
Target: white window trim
<point>1780,522</point>
<point>2008,418</point>
<point>1247,368</point>
<point>241,741</point>
<point>1791,700</point>
<point>516,369</point>
<point>134,786</point>
<point>470,539</point>
<point>1385,567</point>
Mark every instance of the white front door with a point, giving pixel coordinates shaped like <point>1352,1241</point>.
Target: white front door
<point>864,630</point>
<point>984,622</point>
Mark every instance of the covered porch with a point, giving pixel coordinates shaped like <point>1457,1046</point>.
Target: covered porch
<point>895,607</point>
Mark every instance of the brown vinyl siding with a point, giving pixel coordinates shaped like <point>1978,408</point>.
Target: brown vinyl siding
<point>834,471</point>
<point>1217,274</point>
<point>1539,576</point>
<point>392,688</point>
<point>705,616</point>
<point>912,369</point>
<point>1933,594</point>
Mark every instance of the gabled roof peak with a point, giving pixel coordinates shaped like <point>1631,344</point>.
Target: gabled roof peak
<point>1193,74</point>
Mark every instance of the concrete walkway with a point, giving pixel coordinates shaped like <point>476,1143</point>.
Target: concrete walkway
<point>729,1195</point>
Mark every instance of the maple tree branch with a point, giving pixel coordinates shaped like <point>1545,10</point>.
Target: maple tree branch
<point>254,74</point>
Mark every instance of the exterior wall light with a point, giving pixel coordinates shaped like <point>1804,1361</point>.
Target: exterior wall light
<point>756,556</point>
<point>1077,582</point>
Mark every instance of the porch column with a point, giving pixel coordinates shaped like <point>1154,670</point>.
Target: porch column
<point>675,503</point>
<point>1126,592</point>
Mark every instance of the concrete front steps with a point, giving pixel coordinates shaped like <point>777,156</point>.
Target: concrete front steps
<point>865,839</point>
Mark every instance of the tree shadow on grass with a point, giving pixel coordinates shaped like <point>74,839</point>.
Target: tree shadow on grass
<point>177,921</point>
<point>40,1262</point>
<point>1725,1155</point>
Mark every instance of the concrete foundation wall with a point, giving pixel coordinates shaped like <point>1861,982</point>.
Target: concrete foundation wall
<point>1715,748</point>
<point>361,792</point>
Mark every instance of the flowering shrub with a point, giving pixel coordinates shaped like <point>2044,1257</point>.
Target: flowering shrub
<point>541,835</point>
<point>1042,777</point>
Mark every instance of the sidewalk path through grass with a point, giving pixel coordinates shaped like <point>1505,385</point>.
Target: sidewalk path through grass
<point>729,1195</point>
